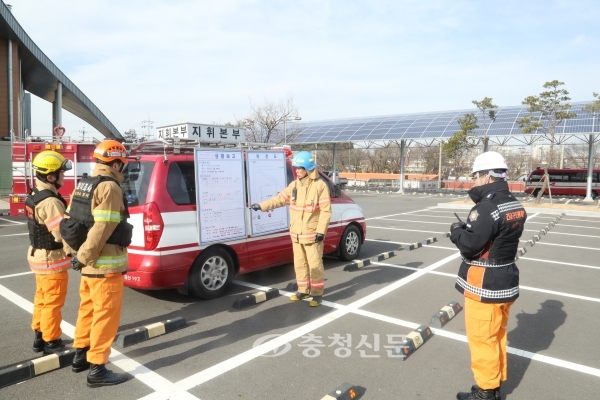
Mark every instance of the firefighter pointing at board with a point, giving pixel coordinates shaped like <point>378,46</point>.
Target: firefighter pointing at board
<point>47,259</point>
<point>310,212</point>
<point>488,276</point>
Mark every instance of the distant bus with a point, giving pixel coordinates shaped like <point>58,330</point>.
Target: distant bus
<point>566,181</point>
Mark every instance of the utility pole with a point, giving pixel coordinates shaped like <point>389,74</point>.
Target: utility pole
<point>148,126</point>
<point>83,132</point>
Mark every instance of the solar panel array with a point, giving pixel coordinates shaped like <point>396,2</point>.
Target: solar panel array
<point>435,125</point>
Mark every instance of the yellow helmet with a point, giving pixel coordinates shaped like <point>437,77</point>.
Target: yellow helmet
<point>111,150</point>
<point>50,161</point>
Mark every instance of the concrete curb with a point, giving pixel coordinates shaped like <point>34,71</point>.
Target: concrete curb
<point>147,332</point>
<point>367,261</point>
<point>24,370</point>
<point>445,314</point>
<point>255,298</point>
<point>412,342</point>
<point>346,391</point>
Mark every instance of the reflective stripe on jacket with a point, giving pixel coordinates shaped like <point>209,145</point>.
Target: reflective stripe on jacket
<point>489,244</point>
<point>310,211</point>
<point>108,209</point>
<point>49,212</point>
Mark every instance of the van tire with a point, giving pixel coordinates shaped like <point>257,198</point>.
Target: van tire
<point>535,192</point>
<point>594,195</point>
<point>212,274</point>
<point>350,243</point>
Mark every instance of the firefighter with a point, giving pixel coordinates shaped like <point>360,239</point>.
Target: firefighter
<point>488,276</point>
<point>47,259</point>
<point>98,210</point>
<point>310,212</point>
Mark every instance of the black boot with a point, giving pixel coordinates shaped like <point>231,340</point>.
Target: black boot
<point>54,346</point>
<point>100,376</point>
<point>38,342</point>
<point>479,394</point>
<point>80,362</point>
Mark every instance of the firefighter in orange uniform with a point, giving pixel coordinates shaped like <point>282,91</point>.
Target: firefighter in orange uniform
<point>98,209</point>
<point>488,276</point>
<point>47,259</point>
<point>310,212</point>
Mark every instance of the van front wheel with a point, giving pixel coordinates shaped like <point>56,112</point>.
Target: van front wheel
<point>211,274</point>
<point>350,244</point>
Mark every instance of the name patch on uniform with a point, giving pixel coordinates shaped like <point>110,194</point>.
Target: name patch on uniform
<point>515,215</point>
<point>473,216</point>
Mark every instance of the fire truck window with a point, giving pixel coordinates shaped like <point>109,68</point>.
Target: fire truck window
<point>135,183</point>
<point>290,174</point>
<point>180,182</point>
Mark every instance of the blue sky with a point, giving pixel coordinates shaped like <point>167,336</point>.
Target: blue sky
<point>204,61</point>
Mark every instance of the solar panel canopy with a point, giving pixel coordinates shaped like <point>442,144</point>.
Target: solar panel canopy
<point>436,125</point>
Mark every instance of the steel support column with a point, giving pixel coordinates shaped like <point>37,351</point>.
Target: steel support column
<point>401,181</point>
<point>57,107</point>
<point>588,191</point>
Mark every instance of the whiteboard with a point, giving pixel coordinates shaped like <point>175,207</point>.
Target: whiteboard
<point>220,195</point>
<point>266,178</point>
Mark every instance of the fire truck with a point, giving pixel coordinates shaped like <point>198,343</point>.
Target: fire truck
<point>23,178</point>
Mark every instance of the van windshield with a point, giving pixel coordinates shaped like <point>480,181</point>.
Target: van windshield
<point>135,185</point>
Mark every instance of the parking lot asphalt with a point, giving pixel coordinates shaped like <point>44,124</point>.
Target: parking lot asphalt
<point>279,349</point>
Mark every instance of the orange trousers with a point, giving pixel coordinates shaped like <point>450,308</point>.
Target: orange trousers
<point>486,332</point>
<point>308,264</point>
<point>50,294</point>
<point>99,314</point>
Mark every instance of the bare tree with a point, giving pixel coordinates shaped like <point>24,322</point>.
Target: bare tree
<point>266,122</point>
<point>130,136</point>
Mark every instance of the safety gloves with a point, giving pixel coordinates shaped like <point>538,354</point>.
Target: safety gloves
<point>319,237</point>
<point>255,207</point>
<point>457,225</point>
<point>76,264</point>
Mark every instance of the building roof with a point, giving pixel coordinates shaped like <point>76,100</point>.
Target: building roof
<point>40,77</point>
<point>435,125</point>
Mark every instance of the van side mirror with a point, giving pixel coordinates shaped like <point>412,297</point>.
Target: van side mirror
<point>337,192</point>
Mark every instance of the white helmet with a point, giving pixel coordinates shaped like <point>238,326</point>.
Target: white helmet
<point>492,163</point>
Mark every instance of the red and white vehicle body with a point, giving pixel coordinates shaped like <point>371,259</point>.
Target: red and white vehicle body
<point>165,253</point>
<point>23,178</point>
<point>563,182</point>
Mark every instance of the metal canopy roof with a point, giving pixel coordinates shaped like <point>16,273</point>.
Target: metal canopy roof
<point>40,77</point>
<point>435,125</point>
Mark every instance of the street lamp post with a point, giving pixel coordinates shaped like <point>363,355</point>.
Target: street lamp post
<point>285,128</point>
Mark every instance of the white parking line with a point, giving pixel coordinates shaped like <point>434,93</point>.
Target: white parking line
<point>143,374</point>
<point>462,338</point>
<point>16,234</point>
<point>13,275</point>
<point>420,221</point>
<point>564,245</point>
<point>13,222</point>
<point>559,262</point>
<point>227,365</point>
<point>391,215</point>
<point>399,229</point>
<point>512,350</point>
<point>529,288</point>
<point>572,226</point>
<point>561,233</point>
